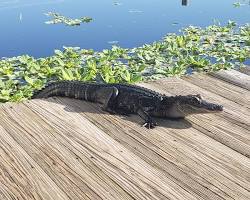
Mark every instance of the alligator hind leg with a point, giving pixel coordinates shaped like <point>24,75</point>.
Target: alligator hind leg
<point>107,96</point>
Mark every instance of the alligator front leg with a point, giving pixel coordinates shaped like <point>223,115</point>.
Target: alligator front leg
<point>107,96</point>
<point>149,122</point>
<point>145,106</point>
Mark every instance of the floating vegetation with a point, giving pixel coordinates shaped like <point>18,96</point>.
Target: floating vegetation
<point>116,3</point>
<point>195,49</point>
<point>237,4</point>
<point>241,3</point>
<point>57,18</point>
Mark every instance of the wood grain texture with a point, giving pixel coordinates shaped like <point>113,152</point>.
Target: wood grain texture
<point>231,92</point>
<point>63,148</point>
<point>234,77</point>
<point>20,176</point>
<point>171,149</point>
<point>245,70</point>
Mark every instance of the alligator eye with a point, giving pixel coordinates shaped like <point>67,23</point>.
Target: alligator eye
<point>196,100</point>
<point>198,96</point>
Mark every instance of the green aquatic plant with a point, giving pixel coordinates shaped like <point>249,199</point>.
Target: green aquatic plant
<point>194,50</point>
<point>241,3</point>
<point>237,4</point>
<point>57,18</point>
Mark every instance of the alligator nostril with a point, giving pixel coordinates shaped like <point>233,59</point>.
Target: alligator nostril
<point>220,107</point>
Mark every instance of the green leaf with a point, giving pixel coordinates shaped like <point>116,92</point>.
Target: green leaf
<point>237,4</point>
<point>29,80</point>
<point>126,76</point>
<point>67,74</point>
<point>57,18</point>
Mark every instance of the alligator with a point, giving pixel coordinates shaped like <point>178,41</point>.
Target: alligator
<point>128,99</point>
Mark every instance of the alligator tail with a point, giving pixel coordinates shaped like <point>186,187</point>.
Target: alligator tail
<point>72,89</point>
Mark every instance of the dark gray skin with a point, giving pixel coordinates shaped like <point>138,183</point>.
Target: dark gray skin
<point>130,99</point>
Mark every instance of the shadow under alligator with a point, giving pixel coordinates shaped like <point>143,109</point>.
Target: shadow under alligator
<point>79,106</point>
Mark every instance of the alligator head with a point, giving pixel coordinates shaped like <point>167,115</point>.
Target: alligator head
<point>194,104</point>
<point>181,106</point>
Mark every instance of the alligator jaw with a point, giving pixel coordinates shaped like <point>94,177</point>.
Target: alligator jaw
<point>211,107</point>
<point>201,108</point>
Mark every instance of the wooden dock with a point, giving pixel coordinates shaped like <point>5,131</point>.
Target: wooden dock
<point>69,149</point>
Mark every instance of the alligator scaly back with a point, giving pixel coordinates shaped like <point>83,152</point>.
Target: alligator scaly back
<point>82,90</point>
<point>94,92</point>
<point>72,89</point>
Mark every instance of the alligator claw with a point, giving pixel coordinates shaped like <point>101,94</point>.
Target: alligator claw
<point>150,124</point>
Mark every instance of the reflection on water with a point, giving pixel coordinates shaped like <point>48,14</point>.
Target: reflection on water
<point>184,2</point>
<point>127,23</point>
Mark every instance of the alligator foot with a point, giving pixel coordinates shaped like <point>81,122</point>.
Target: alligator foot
<point>150,124</point>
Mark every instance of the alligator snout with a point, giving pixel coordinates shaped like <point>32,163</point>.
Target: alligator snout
<point>211,106</point>
<point>217,108</point>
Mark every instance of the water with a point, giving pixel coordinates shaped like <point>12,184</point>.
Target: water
<point>129,24</point>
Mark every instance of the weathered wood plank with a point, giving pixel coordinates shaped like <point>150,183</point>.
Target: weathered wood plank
<point>233,77</point>
<point>207,162</point>
<point>87,142</point>
<point>145,181</point>
<point>228,91</point>
<point>38,140</point>
<point>245,70</point>
<point>117,128</point>
<point>20,176</point>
